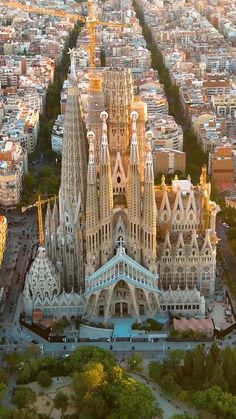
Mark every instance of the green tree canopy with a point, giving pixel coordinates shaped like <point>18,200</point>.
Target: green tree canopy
<point>183,416</point>
<point>14,359</point>
<point>86,354</point>
<point>61,401</point>
<point>26,414</point>
<point>59,326</point>
<point>33,351</point>
<point>106,392</point>
<point>3,390</point>
<point>133,398</point>
<point>23,397</point>
<point>89,387</point>
<point>3,376</point>
<point>188,366</point>
<point>218,378</point>
<point>5,413</point>
<point>44,379</point>
<point>156,370</point>
<point>135,362</point>
<point>215,352</point>
<point>198,365</point>
<point>228,360</point>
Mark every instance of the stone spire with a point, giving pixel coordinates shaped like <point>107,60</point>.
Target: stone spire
<point>73,77</point>
<point>149,216</point>
<point>92,174</point>
<point>134,195</point>
<point>105,194</point>
<point>92,211</point>
<point>134,155</point>
<point>105,156</point>
<point>72,193</point>
<point>74,155</point>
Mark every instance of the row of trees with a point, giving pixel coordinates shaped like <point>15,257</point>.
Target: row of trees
<point>195,156</point>
<point>46,181</point>
<point>189,333</point>
<point>207,380</point>
<point>24,399</point>
<point>52,106</point>
<point>148,325</point>
<point>101,388</point>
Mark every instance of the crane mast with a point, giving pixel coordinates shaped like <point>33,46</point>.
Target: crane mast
<point>38,204</point>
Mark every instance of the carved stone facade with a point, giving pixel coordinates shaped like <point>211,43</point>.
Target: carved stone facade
<point>118,240</point>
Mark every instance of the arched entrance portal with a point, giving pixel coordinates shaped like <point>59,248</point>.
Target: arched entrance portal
<point>121,309</point>
<point>121,305</point>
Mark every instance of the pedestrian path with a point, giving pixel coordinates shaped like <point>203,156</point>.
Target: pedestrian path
<point>169,406</point>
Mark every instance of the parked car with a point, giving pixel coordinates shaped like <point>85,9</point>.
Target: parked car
<point>225,225</point>
<point>34,341</point>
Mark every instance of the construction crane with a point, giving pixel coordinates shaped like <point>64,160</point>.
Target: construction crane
<point>74,17</point>
<point>39,203</point>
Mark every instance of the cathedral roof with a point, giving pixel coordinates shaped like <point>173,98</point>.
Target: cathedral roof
<point>121,266</point>
<point>186,296</point>
<point>64,299</point>
<point>42,278</point>
<point>183,196</point>
<point>188,239</point>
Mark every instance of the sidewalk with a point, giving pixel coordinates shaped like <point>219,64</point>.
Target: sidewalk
<point>169,407</point>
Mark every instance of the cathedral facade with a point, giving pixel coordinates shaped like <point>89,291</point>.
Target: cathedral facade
<point>118,244</point>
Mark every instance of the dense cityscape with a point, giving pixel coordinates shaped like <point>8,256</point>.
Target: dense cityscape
<point>118,209</point>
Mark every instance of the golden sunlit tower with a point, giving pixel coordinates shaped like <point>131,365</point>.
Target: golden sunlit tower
<point>134,195</point>
<point>105,195</point>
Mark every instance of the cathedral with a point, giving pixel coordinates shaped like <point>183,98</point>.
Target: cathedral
<point>118,244</point>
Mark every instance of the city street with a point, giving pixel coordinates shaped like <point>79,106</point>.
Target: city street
<point>226,252</point>
<point>22,238</point>
<point>149,350</point>
<point>169,407</point>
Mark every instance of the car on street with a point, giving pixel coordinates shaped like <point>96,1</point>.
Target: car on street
<point>225,225</point>
<point>34,341</point>
<point>66,355</point>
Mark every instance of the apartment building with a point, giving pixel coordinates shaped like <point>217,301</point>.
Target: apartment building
<point>156,103</point>
<point>217,86</point>
<point>13,165</point>
<point>21,125</point>
<point>57,134</point>
<point>166,133</point>
<point>166,161</point>
<point>211,133</point>
<point>193,100</point>
<point>221,166</point>
<point>224,105</point>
